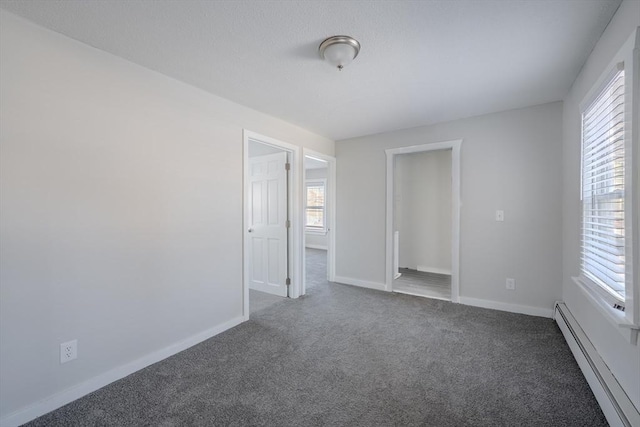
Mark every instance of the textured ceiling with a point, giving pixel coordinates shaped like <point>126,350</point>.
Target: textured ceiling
<point>421,62</point>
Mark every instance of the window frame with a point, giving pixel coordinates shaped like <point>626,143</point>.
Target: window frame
<point>628,321</point>
<point>314,229</point>
<point>595,283</point>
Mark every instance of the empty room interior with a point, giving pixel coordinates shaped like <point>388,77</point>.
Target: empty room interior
<point>349,213</point>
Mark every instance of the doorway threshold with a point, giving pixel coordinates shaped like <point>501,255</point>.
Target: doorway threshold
<point>423,284</point>
<point>426,293</point>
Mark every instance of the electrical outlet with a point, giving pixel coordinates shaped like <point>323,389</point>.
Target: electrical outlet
<point>68,351</point>
<point>500,216</point>
<point>511,284</point>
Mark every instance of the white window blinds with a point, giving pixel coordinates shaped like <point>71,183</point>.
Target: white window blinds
<point>603,158</point>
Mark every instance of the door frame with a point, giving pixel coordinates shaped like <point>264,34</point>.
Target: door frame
<point>295,236</point>
<point>455,147</point>
<point>330,210</point>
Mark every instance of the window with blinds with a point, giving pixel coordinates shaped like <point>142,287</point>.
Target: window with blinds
<point>603,189</point>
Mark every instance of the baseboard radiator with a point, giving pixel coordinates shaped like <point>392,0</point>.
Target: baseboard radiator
<point>613,400</point>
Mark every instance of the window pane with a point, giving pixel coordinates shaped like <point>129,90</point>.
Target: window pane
<point>315,218</point>
<point>603,189</point>
<point>315,195</point>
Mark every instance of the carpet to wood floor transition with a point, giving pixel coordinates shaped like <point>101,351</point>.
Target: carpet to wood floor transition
<point>424,284</point>
<point>345,356</point>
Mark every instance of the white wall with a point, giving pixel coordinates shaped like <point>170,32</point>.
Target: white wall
<point>121,226</point>
<point>315,240</point>
<point>423,210</point>
<point>510,161</point>
<point>622,357</point>
<point>258,149</point>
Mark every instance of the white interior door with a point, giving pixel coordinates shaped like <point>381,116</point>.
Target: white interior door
<point>268,224</point>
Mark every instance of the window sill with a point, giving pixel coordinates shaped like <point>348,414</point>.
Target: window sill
<point>315,232</point>
<point>616,317</point>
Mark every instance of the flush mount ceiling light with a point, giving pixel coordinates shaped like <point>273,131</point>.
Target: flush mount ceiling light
<point>339,50</point>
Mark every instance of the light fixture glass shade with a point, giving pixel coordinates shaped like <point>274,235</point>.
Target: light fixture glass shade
<point>339,55</point>
<point>339,51</point>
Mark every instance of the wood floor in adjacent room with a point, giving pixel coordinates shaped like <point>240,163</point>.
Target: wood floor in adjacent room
<point>419,283</point>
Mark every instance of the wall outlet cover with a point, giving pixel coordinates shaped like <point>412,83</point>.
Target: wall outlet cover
<point>511,284</point>
<point>68,351</point>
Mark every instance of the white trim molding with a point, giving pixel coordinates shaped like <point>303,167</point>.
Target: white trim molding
<point>360,283</point>
<point>64,397</point>
<point>455,147</point>
<point>296,237</point>
<point>629,322</point>
<point>616,317</point>
<point>330,211</point>
<point>505,306</point>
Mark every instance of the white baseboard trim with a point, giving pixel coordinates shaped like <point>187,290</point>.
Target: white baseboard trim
<point>418,294</point>
<point>434,270</point>
<point>310,246</point>
<point>503,306</point>
<point>360,283</point>
<point>614,402</point>
<point>64,397</point>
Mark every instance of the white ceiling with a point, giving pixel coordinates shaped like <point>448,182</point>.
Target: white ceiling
<point>421,62</point>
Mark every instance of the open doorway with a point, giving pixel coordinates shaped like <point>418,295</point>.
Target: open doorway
<point>423,220</point>
<point>318,219</point>
<point>271,244</point>
<point>422,229</point>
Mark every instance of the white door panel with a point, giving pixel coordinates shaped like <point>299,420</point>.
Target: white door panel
<point>267,228</point>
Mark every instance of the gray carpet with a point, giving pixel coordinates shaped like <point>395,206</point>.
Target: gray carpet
<point>316,266</point>
<point>259,301</point>
<point>345,356</point>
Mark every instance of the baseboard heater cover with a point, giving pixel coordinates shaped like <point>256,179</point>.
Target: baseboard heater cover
<point>616,405</point>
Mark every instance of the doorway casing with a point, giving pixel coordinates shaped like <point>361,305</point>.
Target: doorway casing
<point>295,235</point>
<point>330,212</point>
<point>454,146</point>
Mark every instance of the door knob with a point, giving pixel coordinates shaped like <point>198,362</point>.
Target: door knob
<point>250,230</point>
